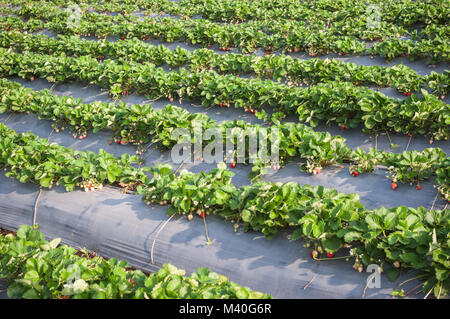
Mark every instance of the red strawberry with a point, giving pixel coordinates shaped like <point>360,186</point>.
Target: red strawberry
<point>233,165</point>
<point>143,62</point>
<point>146,38</point>
<point>123,38</point>
<point>9,29</point>
<point>355,174</point>
<point>409,134</point>
<point>330,255</point>
<point>318,170</point>
<point>313,254</point>
<point>419,187</point>
<point>209,46</point>
<point>404,54</point>
<point>342,127</point>
<point>118,141</point>
<point>202,214</point>
<point>408,93</point>
<point>64,297</point>
<point>221,104</point>
<point>394,185</point>
<point>140,142</point>
<point>124,92</point>
<point>296,49</point>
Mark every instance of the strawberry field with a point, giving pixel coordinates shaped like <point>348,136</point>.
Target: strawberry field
<point>352,96</point>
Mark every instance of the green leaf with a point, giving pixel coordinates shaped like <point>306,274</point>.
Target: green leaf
<point>393,274</point>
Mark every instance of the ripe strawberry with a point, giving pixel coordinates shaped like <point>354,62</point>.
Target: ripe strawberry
<point>146,38</point>
<point>118,141</point>
<point>140,142</point>
<point>342,127</point>
<point>64,297</point>
<point>124,92</point>
<point>221,104</point>
<point>296,49</point>
<point>419,187</point>
<point>330,255</point>
<point>313,254</point>
<point>233,164</point>
<point>123,38</point>
<point>394,185</point>
<point>403,54</point>
<point>8,29</point>
<point>202,214</point>
<point>32,78</point>
<point>408,93</point>
<point>409,134</point>
<point>355,174</point>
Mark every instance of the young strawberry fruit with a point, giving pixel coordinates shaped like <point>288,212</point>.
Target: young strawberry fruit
<point>394,186</point>
<point>419,187</point>
<point>313,253</point>
<point>233,164</point>
<point>190,217</point>
<point>330,255</point>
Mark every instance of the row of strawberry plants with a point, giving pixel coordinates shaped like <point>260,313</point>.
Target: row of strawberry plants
<point>287,35</point>
<point>141,124</point>
<point>277,67</point>
<point>399,13</point>
<point>402,237</point>
<point>341,103</point>
<point>38,269</point>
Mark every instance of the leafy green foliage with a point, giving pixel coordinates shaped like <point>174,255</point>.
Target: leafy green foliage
<point>38,269</point>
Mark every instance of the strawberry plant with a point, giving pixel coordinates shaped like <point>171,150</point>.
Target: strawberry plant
<point>38,269</point>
